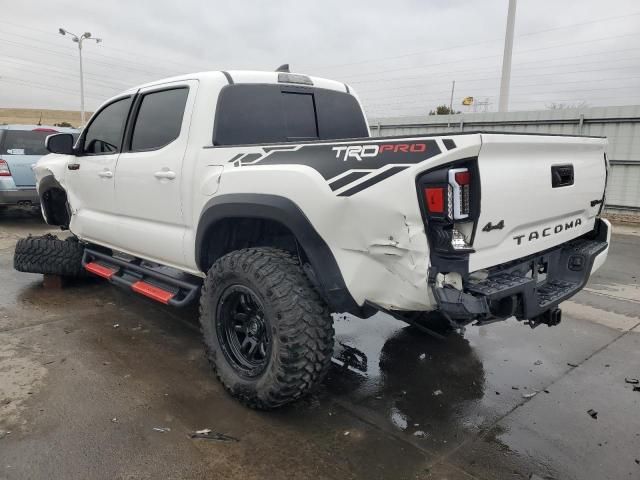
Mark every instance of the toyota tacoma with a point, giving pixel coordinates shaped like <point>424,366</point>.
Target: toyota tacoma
<point>264,195</point>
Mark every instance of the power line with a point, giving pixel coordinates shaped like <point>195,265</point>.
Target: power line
<point>63,74</point>
<point>609,69</point>
<point>89,59</point>
<point>562,45</point>
<point>42,64</point>
<point>18,81</point>
<point>424,52</point>
<point>107,47</point>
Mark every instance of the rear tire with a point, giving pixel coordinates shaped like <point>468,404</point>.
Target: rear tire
<point>49,255</point>
<point>268,334</point>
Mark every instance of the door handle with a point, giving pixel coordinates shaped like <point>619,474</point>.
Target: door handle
<point>168,174</point>
<point>105,174</point>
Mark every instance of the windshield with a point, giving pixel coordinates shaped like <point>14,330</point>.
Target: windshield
<point>25,142</point>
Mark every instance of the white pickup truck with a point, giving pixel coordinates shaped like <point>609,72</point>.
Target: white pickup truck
<point>265,192</point>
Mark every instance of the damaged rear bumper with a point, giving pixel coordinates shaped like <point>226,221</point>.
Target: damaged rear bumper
<point>530,288</point>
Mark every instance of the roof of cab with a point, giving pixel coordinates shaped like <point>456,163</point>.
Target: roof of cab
<point>243,77</point>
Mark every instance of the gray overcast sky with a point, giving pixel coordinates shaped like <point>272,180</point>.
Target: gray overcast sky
<point>400,55</point>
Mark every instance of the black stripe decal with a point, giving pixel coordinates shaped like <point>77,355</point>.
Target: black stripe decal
<point>347,179</point>
<point>237,157</point>
<point>372,181</point>
<point>248,158</point>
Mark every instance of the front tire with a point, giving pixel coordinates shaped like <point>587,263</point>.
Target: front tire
<point>268,334</point>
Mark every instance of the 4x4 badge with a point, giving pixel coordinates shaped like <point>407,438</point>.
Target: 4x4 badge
<point>498,226</point>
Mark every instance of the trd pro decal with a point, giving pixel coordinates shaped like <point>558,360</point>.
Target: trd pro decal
<point>343,165</point>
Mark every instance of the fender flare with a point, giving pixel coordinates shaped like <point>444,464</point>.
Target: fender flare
<point>287,213</point>
<point>47,183</point>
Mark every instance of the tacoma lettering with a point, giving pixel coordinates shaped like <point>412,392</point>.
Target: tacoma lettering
<point>546,232</point>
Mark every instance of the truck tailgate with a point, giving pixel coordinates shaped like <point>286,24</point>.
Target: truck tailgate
<point>537,192</point>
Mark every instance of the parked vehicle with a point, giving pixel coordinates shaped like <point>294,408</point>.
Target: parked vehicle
<point>21,146</point>
<point>266,190</point>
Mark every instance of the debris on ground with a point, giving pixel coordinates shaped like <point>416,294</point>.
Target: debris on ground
<point>4,433</point>
<point>632,381</point>
<point>116,325</point>
<point>592,413</point>
<point>419,434</point>
<point>529,395</point>
<point>437,392</point>
<point>207,434</point>
<point>422,356</point>
<point>114,420</point>
<point>515,388</point>
<point>574,365</point>
<point>538,362</point>
<point>497,393</point>
<point>346,434</point>
<point>162,429</point>
<point>636,388</point>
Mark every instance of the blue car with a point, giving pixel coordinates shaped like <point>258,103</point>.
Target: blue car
<point>21,146</point>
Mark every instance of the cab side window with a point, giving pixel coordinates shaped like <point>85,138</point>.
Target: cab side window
<point>104,134</point>
<point>159,119</point>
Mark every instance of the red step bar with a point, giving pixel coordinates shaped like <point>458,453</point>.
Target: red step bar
<point>167,289</point>
<point>152,291</point>
<point>100,270</point>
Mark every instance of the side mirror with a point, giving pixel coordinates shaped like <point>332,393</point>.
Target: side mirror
<point>60,143</point>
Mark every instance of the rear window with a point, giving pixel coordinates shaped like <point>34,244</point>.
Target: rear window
<point>24,142</point>
<point>250,114</point>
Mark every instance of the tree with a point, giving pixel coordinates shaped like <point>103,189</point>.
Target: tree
<point>442,110</point>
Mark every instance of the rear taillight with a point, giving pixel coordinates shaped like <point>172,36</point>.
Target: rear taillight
<point>4,169</point>
<point>460,181</point>
<point>448,198</point>
<point>435,199</point>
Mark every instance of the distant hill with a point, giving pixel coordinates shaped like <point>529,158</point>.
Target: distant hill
<point>34,116</point>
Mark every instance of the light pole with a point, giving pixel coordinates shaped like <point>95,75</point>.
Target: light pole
<point>505,83</point>
<point>79,39</point>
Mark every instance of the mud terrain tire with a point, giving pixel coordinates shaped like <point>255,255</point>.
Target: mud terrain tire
<point>49,255</point>
<point>297,328</point>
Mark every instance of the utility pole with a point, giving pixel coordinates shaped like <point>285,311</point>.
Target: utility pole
<point>453,88</point>
<point>505,83</point>
<point>79,40</point>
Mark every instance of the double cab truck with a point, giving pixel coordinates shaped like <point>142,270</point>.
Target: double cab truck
<point>264,195</point>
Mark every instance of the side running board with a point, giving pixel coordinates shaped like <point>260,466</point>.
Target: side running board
<point>143,279</point>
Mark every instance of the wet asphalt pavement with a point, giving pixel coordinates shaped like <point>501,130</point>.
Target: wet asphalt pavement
<point>96,382</point>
